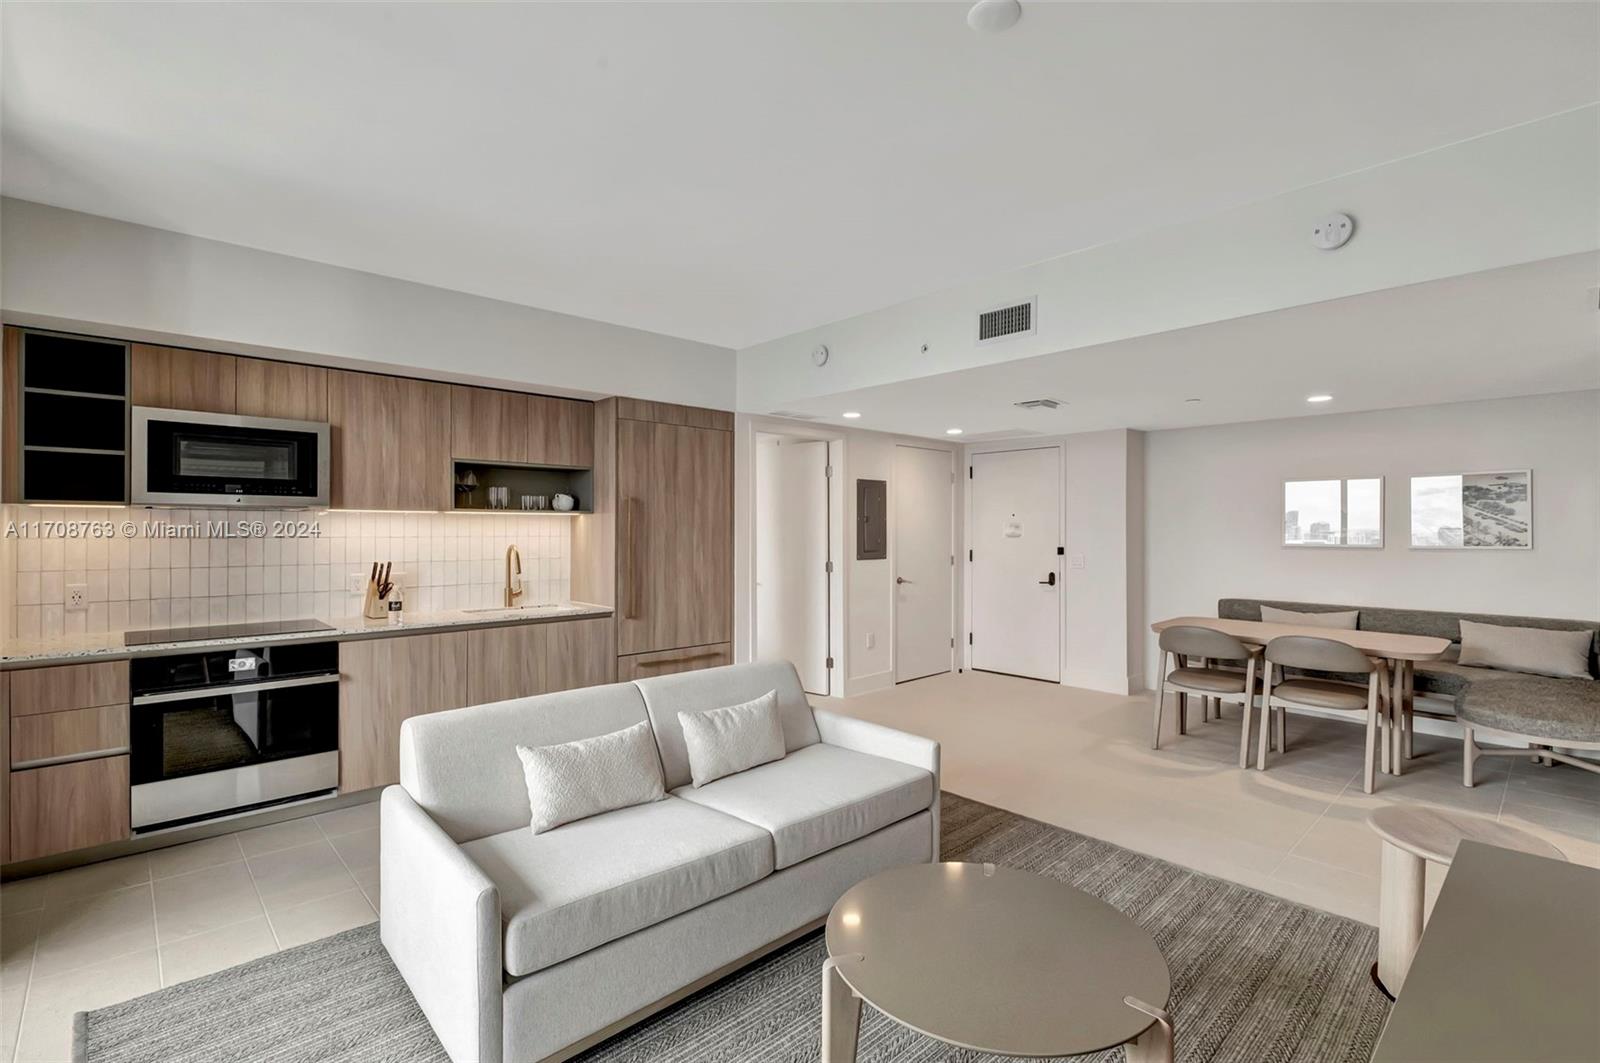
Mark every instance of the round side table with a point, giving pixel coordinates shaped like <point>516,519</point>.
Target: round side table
<point>1414,836</point>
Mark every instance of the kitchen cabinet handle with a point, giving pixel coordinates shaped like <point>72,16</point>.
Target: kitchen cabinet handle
<point>235,688</point>
<point>679,660</point>
<point>630,610</point>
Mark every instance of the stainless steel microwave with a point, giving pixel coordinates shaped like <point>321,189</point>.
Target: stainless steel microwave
<point>189,458</point>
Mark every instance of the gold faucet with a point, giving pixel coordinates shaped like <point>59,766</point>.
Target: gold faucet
<point>513,575</point>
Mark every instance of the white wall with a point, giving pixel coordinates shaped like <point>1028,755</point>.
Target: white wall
<point>1214,510</point>
<point>865,598</point>
<point>1529,192</point>
<point>79,272</point>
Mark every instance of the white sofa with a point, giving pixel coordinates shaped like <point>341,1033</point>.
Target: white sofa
<point>523,947</point>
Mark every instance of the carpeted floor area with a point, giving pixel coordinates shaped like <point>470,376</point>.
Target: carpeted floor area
<point>1256,979</point>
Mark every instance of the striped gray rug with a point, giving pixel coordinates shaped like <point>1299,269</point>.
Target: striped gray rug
<point>1255,979</point>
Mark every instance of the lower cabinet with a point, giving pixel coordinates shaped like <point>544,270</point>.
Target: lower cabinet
<point>527,659</point>
<point>383,683</point>
<point>68,806</point>
<point>666,662</point>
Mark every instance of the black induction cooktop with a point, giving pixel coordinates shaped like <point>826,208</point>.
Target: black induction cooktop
<point>222,631</point>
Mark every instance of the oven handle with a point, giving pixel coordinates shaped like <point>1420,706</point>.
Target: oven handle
<point>236,688</point>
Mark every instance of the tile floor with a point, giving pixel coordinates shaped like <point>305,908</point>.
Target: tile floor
<point>95,935</point>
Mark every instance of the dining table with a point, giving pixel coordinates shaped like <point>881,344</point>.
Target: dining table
<point>1401,651</point>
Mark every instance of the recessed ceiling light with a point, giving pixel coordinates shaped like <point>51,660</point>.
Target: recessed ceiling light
<point>992,16</point>
<point>1319,398</point>
<point>952,431</point>
<point>851,415</point>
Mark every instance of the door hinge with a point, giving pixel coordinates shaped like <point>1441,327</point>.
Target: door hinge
<point>827,472</point>
<point>830,662</point>
<point>969,555</point>
<point>969,638</point>
<point>952,642</point>
<point>952,560</point>
<point>969,472</point>
<point>828,568</point>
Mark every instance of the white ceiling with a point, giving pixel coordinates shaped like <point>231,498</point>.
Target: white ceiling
<point>737,172</point>
<point>1520,330</point>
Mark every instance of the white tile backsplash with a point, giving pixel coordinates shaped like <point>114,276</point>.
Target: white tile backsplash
<point>441,561</point>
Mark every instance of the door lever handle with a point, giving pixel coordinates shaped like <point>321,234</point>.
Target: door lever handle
<point>901,579</point>
<point>1051,582</point>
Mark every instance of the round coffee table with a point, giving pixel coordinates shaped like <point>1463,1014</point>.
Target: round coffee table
<point>1413,835</point>
<point>995,960</point>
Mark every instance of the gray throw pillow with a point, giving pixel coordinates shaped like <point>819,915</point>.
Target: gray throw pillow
<point>575,780</point>
<point>737,738</point>
<point>1540,651</point>
<point>1344,619</point>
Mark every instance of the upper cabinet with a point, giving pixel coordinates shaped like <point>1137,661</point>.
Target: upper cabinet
<point>391,442</point>
<point>295,392</point>
<point>489,425</point>
<point>560,431</point>
<point>172,378</point>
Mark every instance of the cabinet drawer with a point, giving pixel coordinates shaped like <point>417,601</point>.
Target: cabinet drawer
<point>72,733</point>
<point>69,806</point>
<point>666,662</point>
<point>69,686</point>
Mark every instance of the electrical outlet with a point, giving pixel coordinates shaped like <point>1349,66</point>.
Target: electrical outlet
<point>77,596</point>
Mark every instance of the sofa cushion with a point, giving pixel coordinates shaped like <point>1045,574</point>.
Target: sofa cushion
<point>1345,619</point>
<point>725,741</point>
<point>568,890</point>
<point>461,766</point>
<point>818,798</point>
<point>575,780</point>
<point>1562,654</point>
<point>711,688</point>
<point>1535,706</point>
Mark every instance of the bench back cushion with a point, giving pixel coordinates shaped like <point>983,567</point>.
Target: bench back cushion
<point>1414,621</point>
<point>717,688</point>
<point>462,767</point>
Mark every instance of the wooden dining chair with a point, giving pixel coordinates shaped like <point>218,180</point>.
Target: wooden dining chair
<point>1205,682</point>
<point>1306,653</point>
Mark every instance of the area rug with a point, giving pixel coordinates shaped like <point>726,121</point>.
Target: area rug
<point>1255,979</point>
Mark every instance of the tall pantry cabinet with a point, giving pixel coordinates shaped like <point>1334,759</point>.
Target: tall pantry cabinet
<point>664,503</point>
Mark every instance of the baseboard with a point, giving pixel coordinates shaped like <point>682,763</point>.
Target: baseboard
<point>1103,682</point>
<point>866,684</point>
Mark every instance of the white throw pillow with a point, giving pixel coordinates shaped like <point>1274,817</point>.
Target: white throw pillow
<point>723,741</point>
<point>1344,620</point>
<point>1541,651</point>
<point>575,780</point>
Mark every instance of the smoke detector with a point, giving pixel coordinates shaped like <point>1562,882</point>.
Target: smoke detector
<point>1333,232</point>
<point>994,16</point>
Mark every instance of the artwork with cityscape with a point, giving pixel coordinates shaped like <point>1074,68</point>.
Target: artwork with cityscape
<point>1483,510</point>
<point>1333,512</point>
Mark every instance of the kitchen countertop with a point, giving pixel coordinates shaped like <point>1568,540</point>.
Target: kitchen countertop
<point>108,646</point>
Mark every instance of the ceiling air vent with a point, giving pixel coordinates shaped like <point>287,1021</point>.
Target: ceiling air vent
<point>793,415</point>
<point>1038,404</point>
<point>1003,322</point>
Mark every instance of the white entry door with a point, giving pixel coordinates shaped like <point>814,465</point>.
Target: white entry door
<point>791,556</point>
<point>1016,569</point>
<point>924,585</point>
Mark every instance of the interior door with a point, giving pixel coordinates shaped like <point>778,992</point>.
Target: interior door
<point>675,536</point>
<point>924,560</point>
<point>791,556</point>
<point>1016,571</point>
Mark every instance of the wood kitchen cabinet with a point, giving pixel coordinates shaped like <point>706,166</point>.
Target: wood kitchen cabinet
<point>391,442</point>
<point>5,767</point>
<point>674,533</point>
<point>560,431</point>
<point>521,660</point>
<point>264,388</point>
<point>69,806</point>
<point>173,378</point>
<point>489,425</point>
<point>383,683</point>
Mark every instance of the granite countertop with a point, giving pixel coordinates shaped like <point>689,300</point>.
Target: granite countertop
<point>108,646</point>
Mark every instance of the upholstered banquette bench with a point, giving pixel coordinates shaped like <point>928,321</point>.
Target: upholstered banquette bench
<point>1547,712</point>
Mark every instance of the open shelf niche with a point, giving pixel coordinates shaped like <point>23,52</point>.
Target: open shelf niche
<point>547,480</point>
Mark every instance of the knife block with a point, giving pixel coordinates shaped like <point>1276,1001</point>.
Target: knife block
<point>374,607</point>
